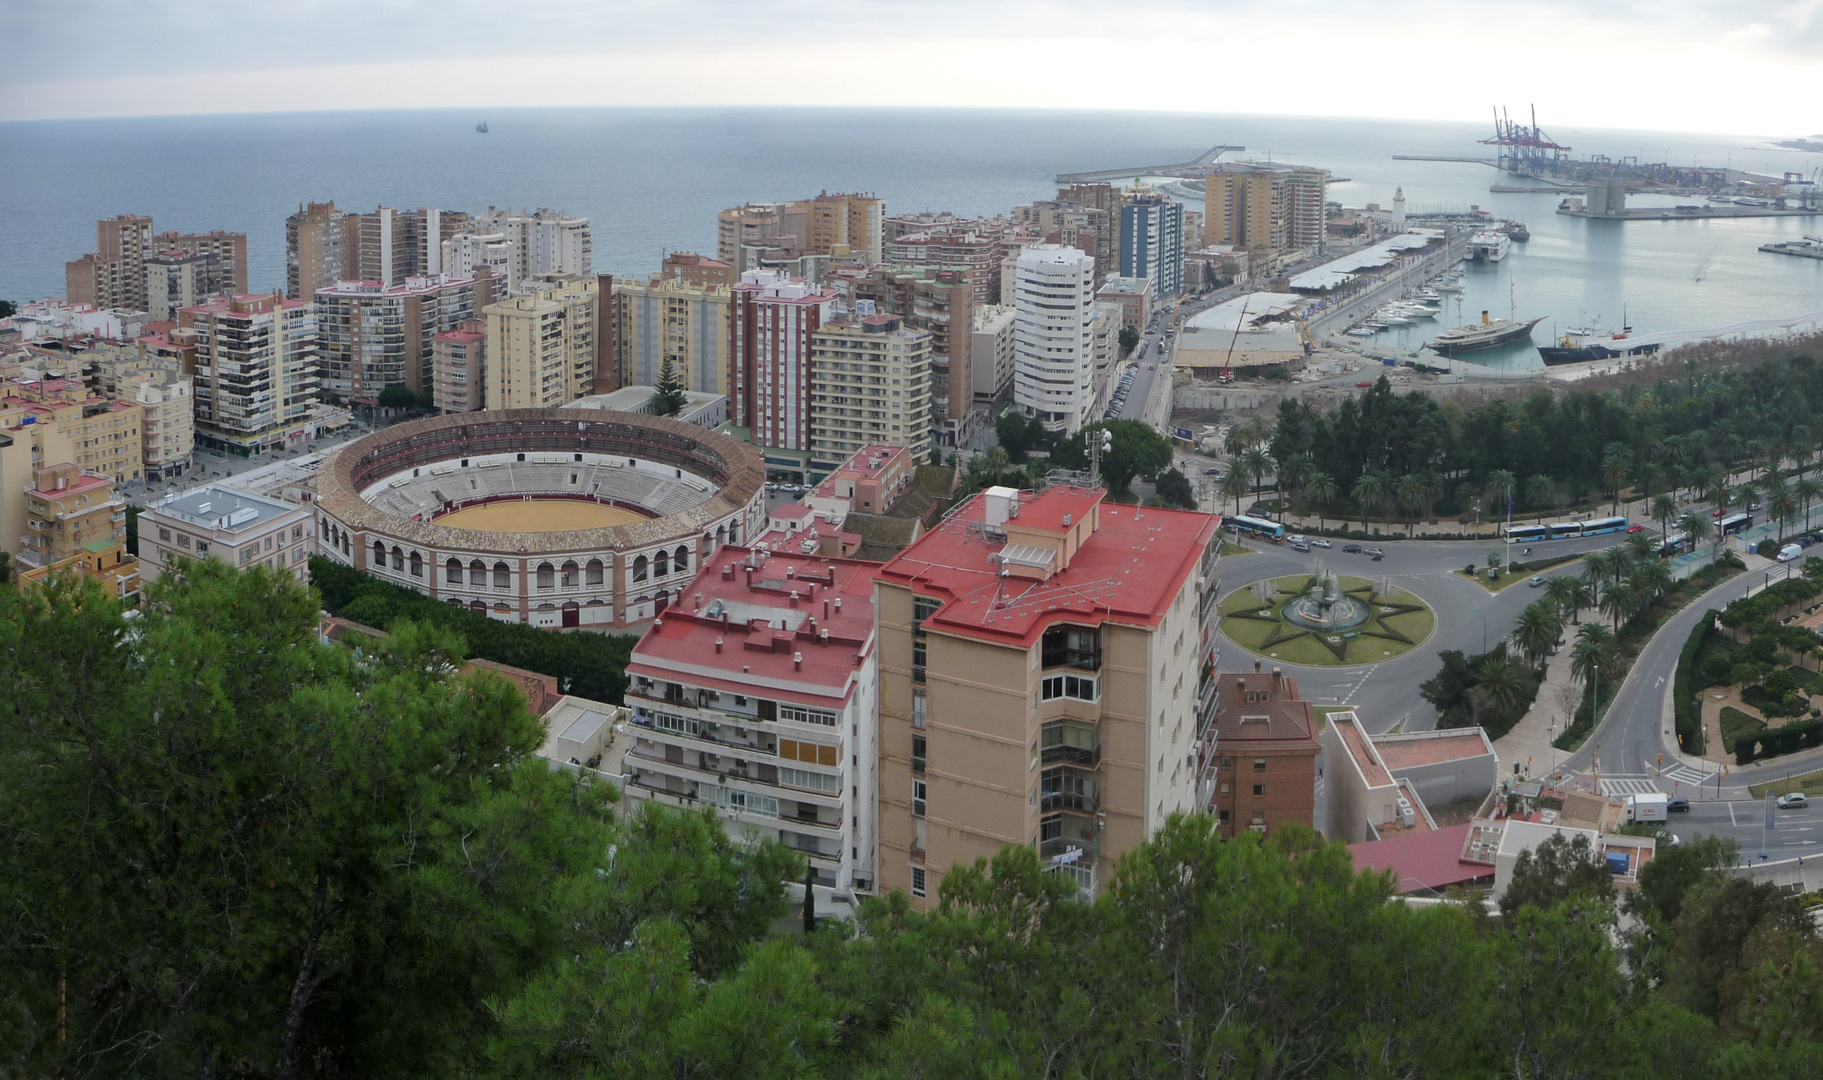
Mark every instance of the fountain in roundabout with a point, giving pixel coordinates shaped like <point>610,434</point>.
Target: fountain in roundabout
<point>1324,608</point>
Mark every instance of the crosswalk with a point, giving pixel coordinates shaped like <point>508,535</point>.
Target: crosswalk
<point>1627,785</point>
<point>1684,774</point>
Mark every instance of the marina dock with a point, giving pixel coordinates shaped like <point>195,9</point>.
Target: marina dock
<point>1803,250</point>
<point>1197,166</point>
<point>1683,213</point>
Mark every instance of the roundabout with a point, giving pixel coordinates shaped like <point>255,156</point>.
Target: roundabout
<point>1326,620</point>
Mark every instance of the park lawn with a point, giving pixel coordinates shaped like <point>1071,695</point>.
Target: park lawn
<point>1252,634</point>
<point>1808,783</point>
<point>1736,723</point>
<point>1507,580</point>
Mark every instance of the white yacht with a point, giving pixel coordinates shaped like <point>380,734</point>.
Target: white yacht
<point>1489,246</point>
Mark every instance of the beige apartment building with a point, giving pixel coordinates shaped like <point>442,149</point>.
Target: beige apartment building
<point>937,300</point>
<point>114,274</point>
<point>541,348</point>
<point>838,224</point>
<point>68,509</point>
<point>316,249</point>
<point>65,422</point>
<point>164,394</point>
<point>677,320</point>
<point>372,335</point>
<point>870,383</point>
<point>1046,679</point>
<point>458,362</point>
<point>847,225</point>
<point>240,528</point>
<point>1267,210</point>
<point>121,272</point>
<point>257,384</point>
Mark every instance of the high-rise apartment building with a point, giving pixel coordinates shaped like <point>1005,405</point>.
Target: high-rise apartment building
<point>975,249</point>
<point>870,378</point>
<point>740,227</point>
<point>1267,210</point>
<point>140,374</point>
<point>458,362</point>
<point>847,224</point>
<point>372,336</point>
<point>828,224</point>
<point>178,279</point>
<point>470,254</point>
<point>318,249</point>
<point>1152,242</point>
<point>992,352</point>
<point>115,274</point>
<point>937,300</point>
<point>257,382</point>
<point>1307,209</point>
<point>1054,372</point>
<point>1045,680</point>
<point>675,320</point>
<point>542,348</point>
<point>771,322</point>
<point>391,245</point>
<point>758,697</point>
<point>543,243</point>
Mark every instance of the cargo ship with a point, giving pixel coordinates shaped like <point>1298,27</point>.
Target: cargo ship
<point>1482,335</point>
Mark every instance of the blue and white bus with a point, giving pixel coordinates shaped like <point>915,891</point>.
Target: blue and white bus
<point>1597,526</point>
<point>1734,523</point>
<point>1564,530</point>
<point>1673,545</point>
<point>1271,530</point>
<point>1528,534</point>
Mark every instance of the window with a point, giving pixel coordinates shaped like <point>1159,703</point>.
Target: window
<point>810,781</point>
<point>1070,742</point>
<point>919,753</point>
<point>452,572</point>
<point>1227,763</point>
<point>806,716</point>
<point>417,565</point>
<point>202,547</point>
<point>917,884</point>
<point>1259,789</point>
<point>680,559</point>
<point>592,574</point>
<point>678,725</point>
<point>746,801</point>
<point>165,535</point>
<point>639,568</point>
<point>923,607</point>
<point>1077,687</point>
<point>920,659</point>
<point>1259,764</point>
<point>570,570</point>
<point>810,753</point>
<point>1072,646</point>
<point>920,708</point>
<point>547,576</point>
<point>502,576</point>
<point>661,563</point>
<point>477,572</point>
<point>246,554</point>
<point>920,793</point>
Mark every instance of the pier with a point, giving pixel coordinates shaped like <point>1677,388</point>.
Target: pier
<point>1433,157</point>
<point>1198,164</point>
<point>1682,213</point>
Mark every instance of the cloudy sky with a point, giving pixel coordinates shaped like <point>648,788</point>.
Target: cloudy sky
<point>1690,65</point>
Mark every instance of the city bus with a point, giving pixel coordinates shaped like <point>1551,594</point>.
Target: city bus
<point>1597,526</point>
<point>1271,530</point>
<point>1555,530</point>
<point>1734,523</point>
<point>1673,545</point>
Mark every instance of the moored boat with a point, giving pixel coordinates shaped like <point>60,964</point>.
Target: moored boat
<point>1482,335</point>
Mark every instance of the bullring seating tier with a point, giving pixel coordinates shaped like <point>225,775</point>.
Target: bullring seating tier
<point>658,489</point>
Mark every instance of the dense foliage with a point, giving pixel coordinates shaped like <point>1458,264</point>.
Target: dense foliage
<point>1490,690</point>
<point>230,850</point>
<point>668,397</point>
<point>589,664</point>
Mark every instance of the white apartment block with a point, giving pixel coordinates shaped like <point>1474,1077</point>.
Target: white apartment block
<point>757,694</point>
<point>238,527</point>
<point>543,243</point>
<point>992,351</point>
<point>1054,366</point>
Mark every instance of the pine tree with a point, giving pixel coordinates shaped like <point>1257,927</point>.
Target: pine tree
<point>669,399</point>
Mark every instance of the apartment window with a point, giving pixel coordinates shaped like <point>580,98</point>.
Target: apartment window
<point>246,554</point>
<point>1259,789</point>
<point>677,725</point>
<point>1076,687</point>
<point>920,709</point>
<point>1259,821</point>
<point>183,541</point>
<point>805,716</point>
<point>917,881</point>
<point>808,752</point>
<point>1072,646</point>
<point>920,659</point>
<point>810,781</point>
<point>165,535</point>
<point>1259,764</point>
<point>747,801</point>
<point>919,753</point>
<point>202,547</point>
<point>1227,763</point>
<point>920,792</point>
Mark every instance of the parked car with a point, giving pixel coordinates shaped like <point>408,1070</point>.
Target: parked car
<point>1679,805</point>
<point>1537,581</point>
<point>1795,800</point>
<point>1351,549</point>
<point>1212,471</point>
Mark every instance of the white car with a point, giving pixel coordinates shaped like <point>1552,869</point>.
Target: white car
<point>1298,538</point>
<point>1321,543</point>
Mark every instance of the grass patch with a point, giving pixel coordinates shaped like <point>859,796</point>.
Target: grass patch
<point>1808,783</point>
<point>1506,581</point>
<point>1736,723</point>
<point>1401,622</point>
<point>1234,549</point>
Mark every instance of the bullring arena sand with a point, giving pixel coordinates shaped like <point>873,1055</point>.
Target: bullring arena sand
<point>539,515</point>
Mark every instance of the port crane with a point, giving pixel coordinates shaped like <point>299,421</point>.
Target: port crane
<point>1523,149</point>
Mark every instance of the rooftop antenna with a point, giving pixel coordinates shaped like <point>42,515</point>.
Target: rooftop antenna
<point>1098,447</point>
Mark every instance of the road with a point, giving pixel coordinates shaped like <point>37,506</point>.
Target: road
<point>1795,833</point>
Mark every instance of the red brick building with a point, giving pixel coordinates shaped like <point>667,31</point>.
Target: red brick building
<point>1266,736</point>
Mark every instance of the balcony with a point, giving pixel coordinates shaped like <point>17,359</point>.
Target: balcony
<point>1068,802</point>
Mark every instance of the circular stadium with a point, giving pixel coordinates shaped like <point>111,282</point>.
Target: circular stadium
<point>553,517</point>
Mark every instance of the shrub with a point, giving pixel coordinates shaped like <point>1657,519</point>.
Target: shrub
<point>1688,710</point>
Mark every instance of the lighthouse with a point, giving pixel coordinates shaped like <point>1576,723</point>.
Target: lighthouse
<point>1399,208</point>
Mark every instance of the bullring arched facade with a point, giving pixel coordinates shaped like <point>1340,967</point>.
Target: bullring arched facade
<point>378,501</point>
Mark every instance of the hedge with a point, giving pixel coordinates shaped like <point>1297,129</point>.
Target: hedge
<point>1772,743</point>
<point>586,663</point>
<point>1536,565</point>
<point>1688,708</point>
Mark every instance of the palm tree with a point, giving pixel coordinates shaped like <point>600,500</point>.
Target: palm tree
<point>1593,650</point>
<point>1639,546</point>
<point>1664,510</point>
<point>1370,492</point>
<point>1234,443</point>
<point>1502,485</point>
<point>1498,684</point>
<point>1744,495</point>
<point>1234,486</point>
<point>1567,594</point>
<point>1293,472</point>
<point>1616,463</point>
<point>1319,489</point>
<point>1541,492</point>
<point>1695,525</point>
<point>1783,507</point>
<point>1540,625</point>
<point>1717,491</point>
<point>1807,489</point>
<point>1411,494</point>
<point>1656,575</point>
<point>1255,461</point>
<point>1616,602</point>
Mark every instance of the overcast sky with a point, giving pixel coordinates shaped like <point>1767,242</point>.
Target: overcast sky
<point>1682,65</point>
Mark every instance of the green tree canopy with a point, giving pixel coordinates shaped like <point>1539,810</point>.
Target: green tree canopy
<point>668,397</point>
<point>398,397</point>
<point>1138,450</point>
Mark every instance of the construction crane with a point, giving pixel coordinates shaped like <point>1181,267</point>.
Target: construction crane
<point>1522,148</point>
<point>1226,375</point>
<point>1304,335</point>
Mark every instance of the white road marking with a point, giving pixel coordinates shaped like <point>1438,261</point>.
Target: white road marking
<point>1731,820</point>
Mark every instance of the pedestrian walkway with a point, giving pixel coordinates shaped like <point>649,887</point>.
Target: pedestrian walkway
<point>1528,744</point>
<point>1628,785</point>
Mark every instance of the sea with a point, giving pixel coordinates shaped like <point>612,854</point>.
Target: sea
<point>652,180</point>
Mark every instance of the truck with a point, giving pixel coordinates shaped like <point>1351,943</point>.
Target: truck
<point>1651,807</point>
